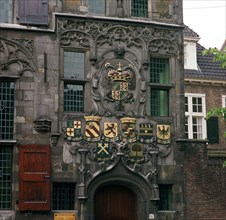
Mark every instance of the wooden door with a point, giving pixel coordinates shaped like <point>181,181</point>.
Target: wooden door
<point>114,202</point>
<point>34,167</point>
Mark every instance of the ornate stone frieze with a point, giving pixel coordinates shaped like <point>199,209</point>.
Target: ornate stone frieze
<point>16,52</point>
<point>100,33</point>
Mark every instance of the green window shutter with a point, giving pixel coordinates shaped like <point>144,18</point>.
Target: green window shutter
<point>212,130</point>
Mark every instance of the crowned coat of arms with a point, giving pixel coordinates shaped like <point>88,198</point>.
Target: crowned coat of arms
<point>120,82</point>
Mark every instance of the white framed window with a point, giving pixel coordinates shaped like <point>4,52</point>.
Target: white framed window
<point>195,112</point>
<point>185,55</point>
<point>224,101</point>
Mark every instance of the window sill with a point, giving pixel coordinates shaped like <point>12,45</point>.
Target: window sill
<point>158,85</point>
<point>9,142</point>
<point>74,80</point>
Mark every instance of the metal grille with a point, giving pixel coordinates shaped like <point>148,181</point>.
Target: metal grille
<point>6,11</point>
<point>6,109</point>
<point>73,98</point>
<point>165,195</point>
<point>63,196</point>
<point>139,8</point>
<point>159,70</point>
<point>5,177</point>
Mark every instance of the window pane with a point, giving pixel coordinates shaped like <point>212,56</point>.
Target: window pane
<point>186,127</point>
<point>73,98</point>
<point>197,128</point>
<point>6,109</point>
<point>74,65</point>
<point>186,104</point>
<point>71,5</point>
<point>6,11</point>
<point>5,177</point>
<point>196,104</point>
<point>139,8</point>
<point>63,196</point>
<point>159,102</point>
<point>96,6</point>
<point>159,71</point>
<point>165,196</point>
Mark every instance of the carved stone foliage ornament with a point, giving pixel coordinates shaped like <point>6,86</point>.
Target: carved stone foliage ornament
<point>73,32</point>
<point>17,54</point>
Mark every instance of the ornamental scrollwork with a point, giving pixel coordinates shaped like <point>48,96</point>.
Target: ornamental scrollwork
<point>100,33</point>
<point>14,53</point>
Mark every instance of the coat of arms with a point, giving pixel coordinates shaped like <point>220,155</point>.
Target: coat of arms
<point>128,129</point>
<point>73,130</point>
<point>110,131</point>
<point>102,151</point>
<point>92,130</point>
<point>120,82</point>
<point>163,134</point>
<point>136,151</point>
<point>146,132</point>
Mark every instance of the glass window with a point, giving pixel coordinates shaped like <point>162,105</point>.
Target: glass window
<point>139,8</point>
<point>159,79</point>
<point>159,71</point>
<point>6,11</point>
<point>73,65</point>
<point>74,71</point>
<point>63,196</point>
<point>71,5</point>
<point>195,112</point>
<point>6,109</point>
<point>165,196</point>
<point>96,6</point>
<point>159,102</point>
<point>73,97</point>
<point>223,101</point>
<point>5,177</point>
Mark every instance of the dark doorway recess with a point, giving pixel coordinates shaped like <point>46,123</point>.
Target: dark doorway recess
<point>115,202</point>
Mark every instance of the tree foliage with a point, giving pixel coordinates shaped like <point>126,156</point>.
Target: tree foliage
<point>218,55</point>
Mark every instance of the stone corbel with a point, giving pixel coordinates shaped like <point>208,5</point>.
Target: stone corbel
<point>54,139</point>
<point>42,125</point>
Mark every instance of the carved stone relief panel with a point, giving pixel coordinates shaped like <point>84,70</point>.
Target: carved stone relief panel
<point>16,56</point>
<point>89,34</point>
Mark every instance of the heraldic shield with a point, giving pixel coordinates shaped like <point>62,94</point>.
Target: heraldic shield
<point>128,129</point>
<point>92,130</point>
<point>146,133</point>
<point>163,134</point>
<point>102,151</point>
<point>110,132</point>
<point>73,130</point>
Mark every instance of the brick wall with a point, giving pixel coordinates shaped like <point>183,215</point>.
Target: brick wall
<point>205,180</point>
<point>213,94</point>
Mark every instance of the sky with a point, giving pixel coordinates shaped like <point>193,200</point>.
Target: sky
<point>208,19</point>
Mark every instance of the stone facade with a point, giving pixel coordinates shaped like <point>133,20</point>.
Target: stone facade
<point>116,47</point>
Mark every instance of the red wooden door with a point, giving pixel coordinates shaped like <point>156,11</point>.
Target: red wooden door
<point>34,188</point>
<point>114,202</point>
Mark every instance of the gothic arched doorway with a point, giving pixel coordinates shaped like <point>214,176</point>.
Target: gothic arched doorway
<point>115,202</point>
